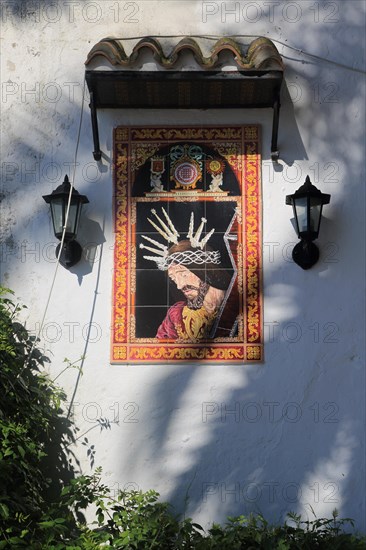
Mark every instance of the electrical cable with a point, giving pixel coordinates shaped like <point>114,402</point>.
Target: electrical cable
<point>37,337</point>
<point>217,37</point>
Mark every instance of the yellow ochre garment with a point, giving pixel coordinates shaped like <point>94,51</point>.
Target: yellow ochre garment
<point>196,322</point>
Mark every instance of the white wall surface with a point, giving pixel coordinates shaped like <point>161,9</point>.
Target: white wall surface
<point>214,440</point>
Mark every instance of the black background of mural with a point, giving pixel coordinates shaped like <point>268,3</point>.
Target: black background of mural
<point>155,293</point>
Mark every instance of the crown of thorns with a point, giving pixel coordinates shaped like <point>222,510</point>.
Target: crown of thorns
<point>167,230</point>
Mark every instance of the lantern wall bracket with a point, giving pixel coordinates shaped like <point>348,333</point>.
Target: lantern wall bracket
<point>254,84</point>
<point>97,153</point>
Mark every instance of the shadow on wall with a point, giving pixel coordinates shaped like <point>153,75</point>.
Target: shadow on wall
<point>275,437</point>
<point>259,438</point>
<point>282,436</point>
<point>91,238</point>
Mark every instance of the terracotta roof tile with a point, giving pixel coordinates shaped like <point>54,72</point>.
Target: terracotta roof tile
<point>261,54</point>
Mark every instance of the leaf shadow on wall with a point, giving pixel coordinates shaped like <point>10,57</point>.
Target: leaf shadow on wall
<point>284,435</point>
<point>281,436</point>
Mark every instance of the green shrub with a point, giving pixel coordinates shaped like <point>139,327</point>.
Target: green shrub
<point>34,433</point>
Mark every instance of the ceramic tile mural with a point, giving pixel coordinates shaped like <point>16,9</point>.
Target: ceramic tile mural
<point>187,266</point>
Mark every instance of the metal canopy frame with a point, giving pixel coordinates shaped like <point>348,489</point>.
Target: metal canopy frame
<point>128,89</point>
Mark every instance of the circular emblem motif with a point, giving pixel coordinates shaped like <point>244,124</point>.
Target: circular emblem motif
<point>186,173</point>
<point>215,166</point>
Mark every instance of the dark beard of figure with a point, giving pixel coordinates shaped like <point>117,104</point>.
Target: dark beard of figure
<point>197,302</point>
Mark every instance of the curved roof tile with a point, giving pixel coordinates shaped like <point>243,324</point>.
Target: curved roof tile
<point>261,54</point>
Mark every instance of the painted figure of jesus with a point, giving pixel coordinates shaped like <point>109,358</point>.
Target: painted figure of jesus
<point>209,306</point>
<point>191,319</point>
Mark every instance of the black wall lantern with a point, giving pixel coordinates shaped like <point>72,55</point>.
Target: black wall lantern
<point>58,199</point>
<point>307,203</point>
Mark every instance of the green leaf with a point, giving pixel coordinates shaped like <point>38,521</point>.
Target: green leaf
<point>47,524</point>
<point>100,517</point>
<point>4,510</point>
<point>59,520</point>
<point>17,540</point>
<point>21,451</point>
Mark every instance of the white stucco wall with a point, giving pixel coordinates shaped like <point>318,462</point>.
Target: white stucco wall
<point>215,440</point>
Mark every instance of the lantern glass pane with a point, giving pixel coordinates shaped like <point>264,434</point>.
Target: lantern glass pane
<point>301,213</point>
<point>72,218</point>
<point>315,213</point>
<point>57,215</point>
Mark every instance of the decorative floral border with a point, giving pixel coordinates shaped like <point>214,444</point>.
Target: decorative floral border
<point>247,166</point>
